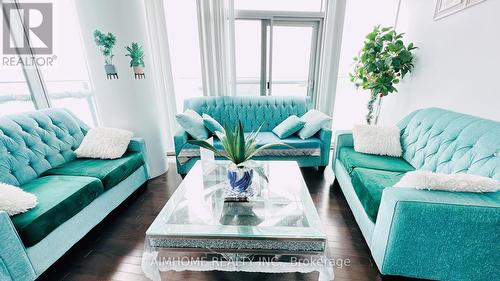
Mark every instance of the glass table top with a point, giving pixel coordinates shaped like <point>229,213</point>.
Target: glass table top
<point>280,208</point>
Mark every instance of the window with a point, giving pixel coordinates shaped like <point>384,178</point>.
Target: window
<point>293,59</point>
<point>182,29</point>
<point>275,47</point>
<point>15,94</point>
<point>276,55</point>
<point>68,82</point>
<point>279,5</point>
<point>248,57</point>
<point>62,83</point>
<point>14,91</point>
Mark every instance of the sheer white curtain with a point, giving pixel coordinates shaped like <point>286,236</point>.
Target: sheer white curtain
<point>164,82</point>
<point>216,29</point>
<point>330,54</point>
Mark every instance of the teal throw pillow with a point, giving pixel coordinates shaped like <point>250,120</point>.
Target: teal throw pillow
<point>212,124</point>
<point>288,127</point>
<point>192,123</point>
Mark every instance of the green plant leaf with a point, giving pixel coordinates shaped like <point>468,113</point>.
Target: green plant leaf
<point>266,146</point>
<point>229,142</point>
<point>239,144</point>
<point>206,145</point>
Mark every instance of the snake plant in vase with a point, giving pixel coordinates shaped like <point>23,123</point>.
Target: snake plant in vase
<point>240,150</point>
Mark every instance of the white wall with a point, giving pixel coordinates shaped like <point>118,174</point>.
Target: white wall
<point>458,64</point>
<point>126,102</point>
<point>360,18</point>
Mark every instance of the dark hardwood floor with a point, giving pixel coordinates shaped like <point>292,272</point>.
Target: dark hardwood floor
<point>112,251</point>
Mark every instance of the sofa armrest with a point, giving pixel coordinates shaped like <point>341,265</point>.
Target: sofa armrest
<point>139,145</point>
<point>14,262</point>
<point>180,139</point>
<point>343,138</point>
<point>325,135</point>
<point>438,235</point>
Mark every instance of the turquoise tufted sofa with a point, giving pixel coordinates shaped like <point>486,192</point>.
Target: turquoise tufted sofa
<point>253,112</point>
<point>434,235</point>
<point>74,195</point>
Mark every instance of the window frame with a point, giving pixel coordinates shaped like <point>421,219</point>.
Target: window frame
<point>40,96</point>
<point>286,18</point>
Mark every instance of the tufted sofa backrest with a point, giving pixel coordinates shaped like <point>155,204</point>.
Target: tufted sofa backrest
<point>444,141</point>
<point>33,142</point>
<point>252,111</point>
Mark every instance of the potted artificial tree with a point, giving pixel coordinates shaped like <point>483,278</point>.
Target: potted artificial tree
<point>381,64</point>
<point>106,42</point>
<point>136,55</point>
<point>239,149</point>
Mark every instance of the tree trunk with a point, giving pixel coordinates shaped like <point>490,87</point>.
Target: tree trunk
<point>373,113</point>
<point>370,105</point>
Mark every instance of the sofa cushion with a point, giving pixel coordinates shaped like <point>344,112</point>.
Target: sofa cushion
<point>369,185</point>
<point>59,199</point>
<point>295,141</point>
<point>269,137</point>
<point>352,159</point>
<point>110,172</point>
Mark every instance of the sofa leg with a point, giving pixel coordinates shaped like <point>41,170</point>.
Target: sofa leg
<point>182,175</point>
<point>397,278</point>
<point>336,183</point>
<point>321,169</point>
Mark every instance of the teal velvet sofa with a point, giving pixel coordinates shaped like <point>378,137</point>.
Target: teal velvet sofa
<point>74,195</point>
<point>253,112</point>
<point>427,234</point>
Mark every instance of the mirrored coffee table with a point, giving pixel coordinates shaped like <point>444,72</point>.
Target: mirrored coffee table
<point>278,230</point>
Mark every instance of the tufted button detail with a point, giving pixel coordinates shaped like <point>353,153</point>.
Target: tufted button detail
<point>444,141</point>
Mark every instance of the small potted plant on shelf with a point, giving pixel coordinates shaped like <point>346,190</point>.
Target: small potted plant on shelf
<point>106,42</point>
<point>380,66</point>
<point>239,150</point>
<point>136,55</point>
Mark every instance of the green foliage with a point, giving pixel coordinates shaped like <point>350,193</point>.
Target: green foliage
<point>238,148</point>
<point>383,62</point>
<point>136,54</point>
<point>105,42</point>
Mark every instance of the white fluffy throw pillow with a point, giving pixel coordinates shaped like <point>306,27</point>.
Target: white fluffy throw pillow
<point>380,140</point>
<point>104,143</point>
<point>14,200</point>
<point>449,182</point>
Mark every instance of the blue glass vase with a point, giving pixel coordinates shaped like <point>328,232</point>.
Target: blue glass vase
<point>240,179</point>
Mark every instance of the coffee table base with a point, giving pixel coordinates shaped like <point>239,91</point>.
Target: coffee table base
<point>153,263</point>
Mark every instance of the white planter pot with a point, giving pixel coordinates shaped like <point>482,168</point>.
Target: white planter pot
<point>138,69</point>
